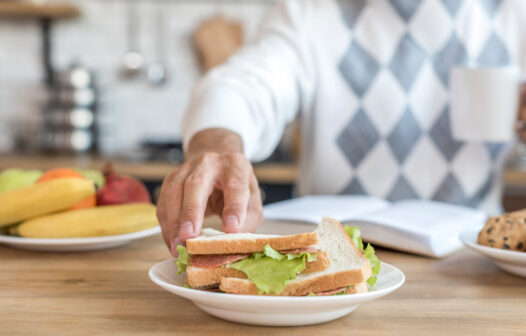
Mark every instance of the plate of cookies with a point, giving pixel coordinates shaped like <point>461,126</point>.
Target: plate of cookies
<point>502,239</point>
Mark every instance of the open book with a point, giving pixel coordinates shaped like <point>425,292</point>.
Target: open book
<point>418,226</point>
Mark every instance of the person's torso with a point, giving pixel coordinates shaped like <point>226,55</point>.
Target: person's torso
<point>379,122</point>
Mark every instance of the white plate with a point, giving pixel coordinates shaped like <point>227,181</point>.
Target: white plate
<point>511,261</point>
<point>76,244</point>
<point>274,310</point>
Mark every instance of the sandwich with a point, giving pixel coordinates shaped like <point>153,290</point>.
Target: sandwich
<point>215,255</point>
<point>328,261</point>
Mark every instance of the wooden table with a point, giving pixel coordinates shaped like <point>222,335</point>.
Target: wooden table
<point>109,293</point>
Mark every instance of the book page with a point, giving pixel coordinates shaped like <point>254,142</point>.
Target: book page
<point>424,217</point>
<point>419,226</point>
<point>311,209</point>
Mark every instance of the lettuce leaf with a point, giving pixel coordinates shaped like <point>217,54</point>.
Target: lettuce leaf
<point>310,256</point>
<point>270,270</point>
<point>268,274</point>
<point>182,260</point>
<point>355,235</point>
<point>270,252</point>
<point>368,252</point>
<point>375,263</point>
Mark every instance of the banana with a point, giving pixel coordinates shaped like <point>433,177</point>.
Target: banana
<point>100,221</point>
<point>43,198</point>
<point>12,230</point>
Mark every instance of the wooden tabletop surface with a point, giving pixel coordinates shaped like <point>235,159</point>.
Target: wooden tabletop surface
<point>109,293</point>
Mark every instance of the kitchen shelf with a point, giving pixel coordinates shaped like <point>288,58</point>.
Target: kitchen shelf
<point>27,10</point>
<point>45,13</point>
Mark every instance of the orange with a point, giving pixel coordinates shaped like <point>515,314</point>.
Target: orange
<point>58,173</point>
<point>88,202</point>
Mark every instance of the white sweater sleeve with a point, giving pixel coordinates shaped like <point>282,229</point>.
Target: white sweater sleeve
<point>261,88</point>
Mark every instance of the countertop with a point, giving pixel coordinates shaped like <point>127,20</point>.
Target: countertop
<point>278,173</point>
<point>274,173</point>
<point>109,292</point>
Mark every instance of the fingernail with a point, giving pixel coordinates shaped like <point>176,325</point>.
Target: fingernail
<point>187,228</point>
<point>231,221</point>
<point>174,247</point>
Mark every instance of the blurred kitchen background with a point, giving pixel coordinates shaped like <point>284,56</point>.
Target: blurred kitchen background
<point>131,109</point>
<point>85,82</point>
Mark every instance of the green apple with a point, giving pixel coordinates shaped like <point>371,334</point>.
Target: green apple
<point>14,178</point>
<point>94,175</point>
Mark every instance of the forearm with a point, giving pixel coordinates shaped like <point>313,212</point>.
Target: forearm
<point>260,89</point>
<point>217,140</point>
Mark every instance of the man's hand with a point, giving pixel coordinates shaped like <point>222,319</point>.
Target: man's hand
<point>215,179</point>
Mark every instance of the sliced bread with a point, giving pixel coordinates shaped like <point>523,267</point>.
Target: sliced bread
<point>348,266</point>
<point>357,288</point>
<point>215,242</point>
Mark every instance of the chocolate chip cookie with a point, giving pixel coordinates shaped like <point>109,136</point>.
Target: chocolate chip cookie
<point>507,232</point>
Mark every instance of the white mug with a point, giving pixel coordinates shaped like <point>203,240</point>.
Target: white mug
<point>484,103</point>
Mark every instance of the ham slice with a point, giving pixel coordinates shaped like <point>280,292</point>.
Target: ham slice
<point>215,260</point>
<point>309,249</point>
<point>331,292</point>
<point>218,260</point>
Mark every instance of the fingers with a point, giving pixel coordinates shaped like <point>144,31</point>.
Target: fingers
<point>169,206</point>
<point>212,183</point>
<point>255,207</point>
<point>175,201</point>
<point>198,187</point>
<point>236,194</point>
<point>162,217</point>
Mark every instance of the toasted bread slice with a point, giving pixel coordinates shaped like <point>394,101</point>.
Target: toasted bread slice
<point>348,266</point>
<point>216,242</point>
<point>198,277</point>
<point>357,288</point>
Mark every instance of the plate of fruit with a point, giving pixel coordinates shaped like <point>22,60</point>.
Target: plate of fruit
<point>68,209</point>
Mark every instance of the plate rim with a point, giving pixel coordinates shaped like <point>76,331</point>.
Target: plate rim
<point>5,239</point>
<point>467,239</point>
<point>262,298</point>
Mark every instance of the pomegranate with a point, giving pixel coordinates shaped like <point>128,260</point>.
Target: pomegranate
<point>121,189</point>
